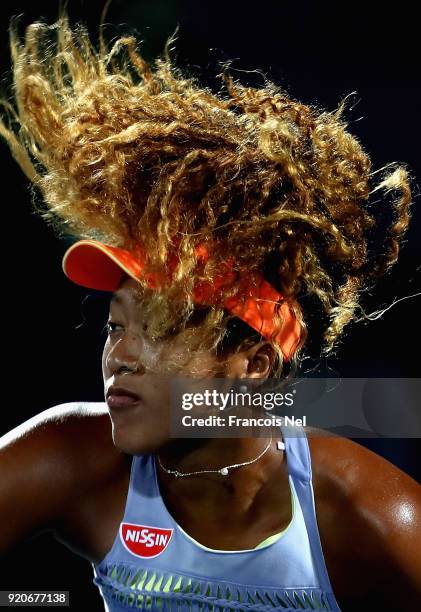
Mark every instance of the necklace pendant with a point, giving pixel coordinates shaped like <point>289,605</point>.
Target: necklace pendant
<point>224,471</point>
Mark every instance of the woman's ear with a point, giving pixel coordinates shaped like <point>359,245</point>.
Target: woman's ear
<point>254,362</point>
<point>260,357</point>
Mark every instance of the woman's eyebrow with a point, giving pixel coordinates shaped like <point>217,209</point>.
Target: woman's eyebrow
<point>123,298</point>
<point>116,298</point>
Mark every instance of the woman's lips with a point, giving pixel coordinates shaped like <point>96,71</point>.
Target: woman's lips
<point>118,397</point>
<point>121,401</point>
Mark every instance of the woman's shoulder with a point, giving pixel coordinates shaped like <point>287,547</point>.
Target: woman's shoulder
<point>351,465</point>
<point>369,517</point>
<point>85,433</point>
<point>79,433</point>
<point>349,474</point>
<point>57,463</point>
<point>95,509</point>
<point>72,440</point>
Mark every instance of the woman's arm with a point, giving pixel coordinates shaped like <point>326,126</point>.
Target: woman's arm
<point>390,503</point>
<point>369,517</point>
<point>38,474</point>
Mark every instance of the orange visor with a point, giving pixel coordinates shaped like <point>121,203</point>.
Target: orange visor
<point>96,265</point>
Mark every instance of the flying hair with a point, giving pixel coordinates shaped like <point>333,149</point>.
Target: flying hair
<point>130,152</point>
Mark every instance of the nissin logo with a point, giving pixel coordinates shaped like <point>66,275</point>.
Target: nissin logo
<point>144,540</point>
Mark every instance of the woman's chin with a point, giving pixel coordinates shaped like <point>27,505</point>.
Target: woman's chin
<point>135,442</point>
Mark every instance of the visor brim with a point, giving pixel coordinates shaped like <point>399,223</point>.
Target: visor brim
<point>95,265</point>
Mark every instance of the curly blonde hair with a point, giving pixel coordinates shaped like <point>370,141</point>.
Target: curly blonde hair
<point>129,152</point>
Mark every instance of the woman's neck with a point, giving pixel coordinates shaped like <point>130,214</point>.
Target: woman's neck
<point>240,488</point>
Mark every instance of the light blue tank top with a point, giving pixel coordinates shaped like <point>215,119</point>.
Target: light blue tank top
<point>155,565</point>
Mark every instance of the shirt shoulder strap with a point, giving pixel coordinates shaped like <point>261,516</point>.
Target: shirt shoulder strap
<point>299,468</point>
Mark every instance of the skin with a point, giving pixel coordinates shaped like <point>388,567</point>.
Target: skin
<point>74,465</point>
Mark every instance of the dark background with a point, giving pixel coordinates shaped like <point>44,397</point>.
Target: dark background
<point>319,52</point>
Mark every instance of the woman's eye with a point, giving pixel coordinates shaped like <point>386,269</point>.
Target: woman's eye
<point>111,327</point>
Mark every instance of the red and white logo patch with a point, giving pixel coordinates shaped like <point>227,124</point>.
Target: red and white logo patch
<point>144,540</point>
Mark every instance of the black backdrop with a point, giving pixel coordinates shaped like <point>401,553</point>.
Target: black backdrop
<point>320,52</point>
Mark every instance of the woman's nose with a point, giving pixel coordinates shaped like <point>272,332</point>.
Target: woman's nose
<point>125,355</point>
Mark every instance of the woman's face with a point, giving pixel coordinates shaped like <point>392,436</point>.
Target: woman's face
<point>132,362</point>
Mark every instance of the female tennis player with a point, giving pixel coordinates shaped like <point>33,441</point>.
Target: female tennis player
<point>211,219</point>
